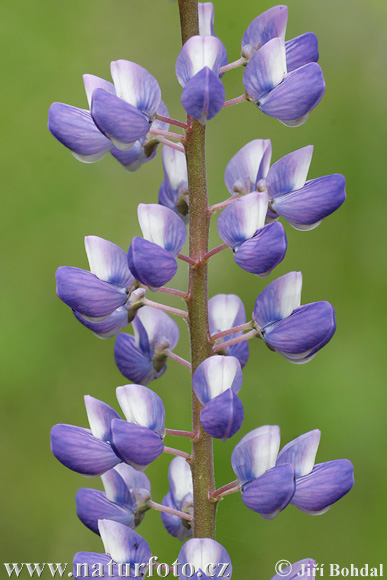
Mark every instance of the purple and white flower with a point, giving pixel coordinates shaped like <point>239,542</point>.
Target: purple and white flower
<point>297,332</point>
<point>179,497</point>
<point>124,499</point>
<point>203,558</point>
<point>216,383</point>
<point>197,70</point>
<point>152,259</point>
<point>287,96</point>
<point>106,298</point>
<point>247,167</point>
<point>173,192</point>
<point>257,248</point>
<point>123,546</point>
<point>269,482</point>
<point>87,451</point>
<point>141,358</point>
<point>226,311</point>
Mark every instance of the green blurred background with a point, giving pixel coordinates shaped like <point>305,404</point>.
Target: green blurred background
<point>50,201</point>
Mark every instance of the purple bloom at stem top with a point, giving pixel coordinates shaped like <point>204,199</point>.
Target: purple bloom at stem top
<point>287,96</point>
<point>124,499</point>
<point>197,70</point>
<point>120,117</point>
<point>272,24</point>
<point>141,358</point>
<point>270,481</point>
<point>105,299</point>
<point>257,248</point>
<point>203,558</point>
<point>297,332</point>
<point>87,451</point>
<point>173,192</point>
<point>179,497</point>
<point>123,546</point>
<point>216,382</point>
<point>152,259</point>
<point>224,312</point>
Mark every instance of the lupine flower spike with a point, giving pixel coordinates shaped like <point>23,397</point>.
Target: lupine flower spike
<point>216,382</point>
<point>297,332</point>
<point>141,358</point>
<point>105,299</point>
<point>124,499</point>
<point>179,497</point>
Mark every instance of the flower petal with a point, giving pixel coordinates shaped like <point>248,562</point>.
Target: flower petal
<point>93,505</point>
<point>161,330</point>
<point>86,293</point>
<point>203,96</point>
<point>100,415</point>
<point>135,85</point>
<point>265,27</point>
<point>108,261</point>
<point>135,157</point>
<point>93,82</point>
<point>243,218</point>
<point>134,479</point>
<point>124,544</point>
<point>116,489</point>
<point>205,555</point>
<point>131,361</point>
<point>76,130</point>
<point>240,351</point>
<point>223,416</point>
<point>78,450</point>
<point>206,19</point>
<point>301,452</point>
<point>177,527</point>
<point>264,251</point>
<point>136,445</point>
<point>151,264</point>
<point>224,312</point>
<point>278,299</point>
<point>108,327</point>
<point>175,169</point>
<point>307,330</point>
<point>215,375</point>
<point>121,122</point>
<point>301,50</point>
<point>271,492</point>
<point>327,483</point>
<point>318,199</point>
<point>162,226</point>
<point>266,69</point>
<point>248,166</point>
<point>289,173</point>
<point>299,93</point>
<point>142,406</point>
<point>180,480</point>
<point>85,563</point>
<point>197,53</point>
<point>256,453</point>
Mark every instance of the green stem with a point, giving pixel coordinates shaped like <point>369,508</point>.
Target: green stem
<point>202,464</point>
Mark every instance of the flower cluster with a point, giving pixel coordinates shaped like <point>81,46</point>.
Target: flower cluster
<point>128,119</point>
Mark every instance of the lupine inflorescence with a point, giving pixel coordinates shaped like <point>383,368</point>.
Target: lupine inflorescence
<point>129,119</point>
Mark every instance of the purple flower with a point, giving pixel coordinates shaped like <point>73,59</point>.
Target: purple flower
<point>173,192</point>
<point>141,358</point>
<point>269,483</point>
<point>104,299</point>
<point>287,96</point>
<point>152,259</point>
<point>272,24</point>
<point>226,311</point>
<point>206,19</point>
<point>302,203</point>
<point>87,451</point>
<point>297,332</point>
<point>258,248</point>
<point>303,569</point>
<point>248,167</point>
<point>124,499</point>
<point>216,382</point>
<point>179,497</point>
<point>86,136</point>
<point>203,558</point>
<point>139,440</point>
<point>122,546</point>
<point>197,70</point>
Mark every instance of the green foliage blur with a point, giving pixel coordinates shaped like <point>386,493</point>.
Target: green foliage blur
<point>51,201</point>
